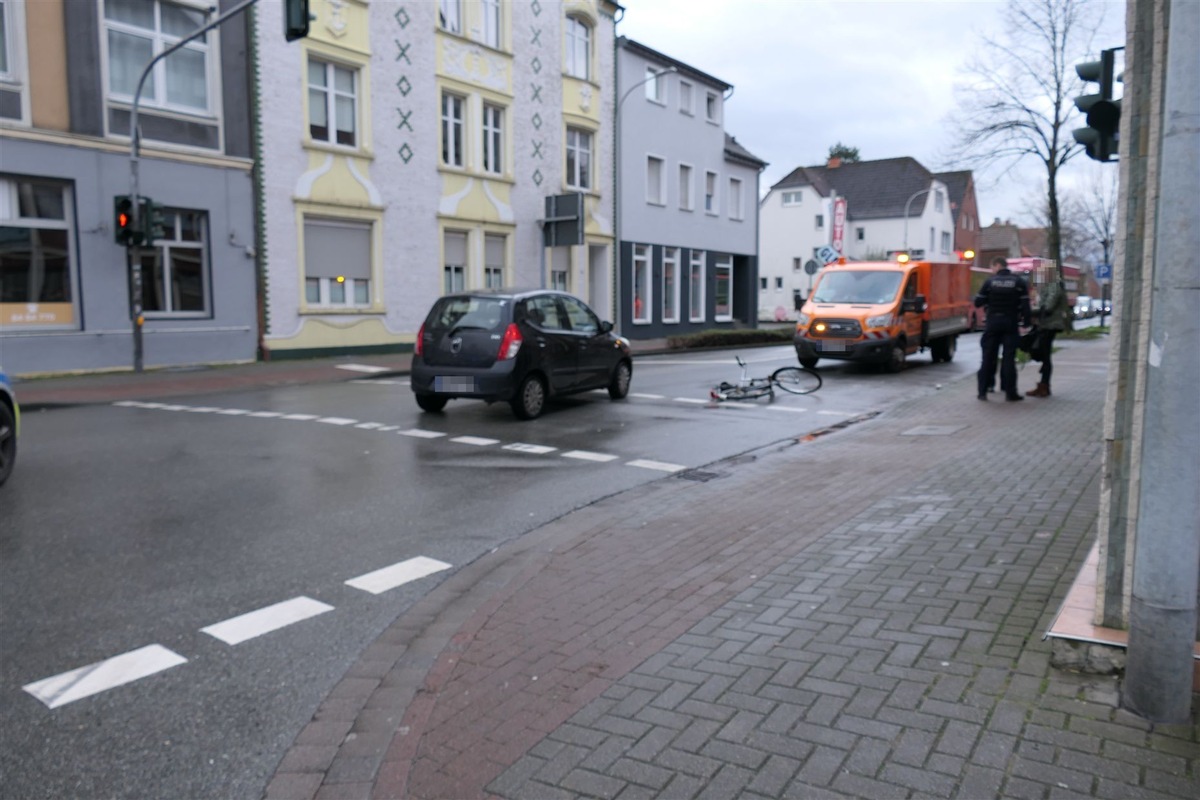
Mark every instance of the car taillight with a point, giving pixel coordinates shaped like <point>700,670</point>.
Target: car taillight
<point>419,348</point>
<point>510,344</point>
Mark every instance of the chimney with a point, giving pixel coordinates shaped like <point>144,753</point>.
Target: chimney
<point>834,163</point>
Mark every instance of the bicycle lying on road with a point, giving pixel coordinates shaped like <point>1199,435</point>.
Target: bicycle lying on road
<point>796,380</point>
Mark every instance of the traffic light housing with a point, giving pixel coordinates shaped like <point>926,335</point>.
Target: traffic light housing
<point>151,219</point>
<point>1101,137</point>
<point>295,19</point>
<point>124,230</point>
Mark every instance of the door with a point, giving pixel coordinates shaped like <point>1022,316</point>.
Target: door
<point>552,343</point>
<point>914,321</point>
<point>592,343</point>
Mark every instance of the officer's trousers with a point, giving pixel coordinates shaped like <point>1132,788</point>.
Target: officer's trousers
<point>1000,331</point>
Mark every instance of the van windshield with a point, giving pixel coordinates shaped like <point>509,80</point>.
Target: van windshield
<point>857,286</point>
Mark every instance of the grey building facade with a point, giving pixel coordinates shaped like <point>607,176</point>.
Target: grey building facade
<point>687,201</point>
<point>65,299</point>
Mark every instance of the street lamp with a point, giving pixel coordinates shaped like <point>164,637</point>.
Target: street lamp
<point>906,207</point>
<point>617,191</point>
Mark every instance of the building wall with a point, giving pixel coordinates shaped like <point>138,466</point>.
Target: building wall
<point>61,140</point>
<point>395,179</point>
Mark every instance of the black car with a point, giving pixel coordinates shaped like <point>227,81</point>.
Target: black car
<point>519,346</point>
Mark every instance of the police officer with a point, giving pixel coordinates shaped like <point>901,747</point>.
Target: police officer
<point>1006,296</point>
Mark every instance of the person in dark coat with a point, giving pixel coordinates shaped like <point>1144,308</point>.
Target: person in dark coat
<point>1006,297</point>
<point>1053,315</point>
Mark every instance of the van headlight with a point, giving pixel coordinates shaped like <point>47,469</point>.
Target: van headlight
<point>882,321</point>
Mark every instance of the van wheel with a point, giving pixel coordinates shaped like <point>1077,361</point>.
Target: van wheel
<point>8,442</point>
<point>431,402</point>
<point>530,398</point>
<point>949,348</point>
<point>618,387</point>
<point>897,359</point>
<point>809,363</point>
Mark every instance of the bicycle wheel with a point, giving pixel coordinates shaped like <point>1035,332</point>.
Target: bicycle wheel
<point>797,380</point>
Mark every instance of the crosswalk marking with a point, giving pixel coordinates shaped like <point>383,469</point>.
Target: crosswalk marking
<point>584,455</point>
<point>255,623</point>
<point>103,675</point>
<point>381,580</point>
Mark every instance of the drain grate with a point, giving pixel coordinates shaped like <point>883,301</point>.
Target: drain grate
<point>698,475</point>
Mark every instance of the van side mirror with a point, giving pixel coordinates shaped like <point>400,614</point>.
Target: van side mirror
<point>915,305</point>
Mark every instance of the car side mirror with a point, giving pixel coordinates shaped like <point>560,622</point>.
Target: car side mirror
<point>606,326</point>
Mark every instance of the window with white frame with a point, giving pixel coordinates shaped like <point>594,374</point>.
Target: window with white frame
<point>656,183</point>
<point>337,263</point>
<point>450,15</point>
<point>931,235</point>
<point>696,286</point>
<point>493,139</point>
<point>792,198</point>
<point>454,261</point>
<point>494,249</point>
<point>642,295</point>
<point>762,284</point>
<point>860,234</point>
<point>138,30</point>
<point>452,129</point>
<point>723,289</point>
<point>560,269</point>
<point>37,273</point>
<point>712,108</point>
<point>670,284</point>
<point>332,103</point>
<point>685,98</point>
<point>5,59</point>
<point>578,50</point>
<point>735,198</point>
<point>579,159</point>
<point>820,221</point>
<point>686,190</point>
<point>175,267</point>
<point>491,23</point>
<point>797,264</point>
<point>778,283</point>
<point>945,241</point>
<point>937,201</point>
<point>710,192</point>
<point>656,85</point>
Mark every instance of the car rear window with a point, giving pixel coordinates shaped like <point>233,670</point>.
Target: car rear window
<point>482,313</point>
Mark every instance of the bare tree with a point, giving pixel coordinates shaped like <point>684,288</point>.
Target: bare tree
<point>1092,209</point>
<point>1016,98</point>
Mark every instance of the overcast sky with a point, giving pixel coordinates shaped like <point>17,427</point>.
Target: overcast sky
<point>878,75</point>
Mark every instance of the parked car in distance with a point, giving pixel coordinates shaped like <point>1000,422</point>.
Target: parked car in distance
<point>517,346</point>
<point>1083,307</point>
<point>10,423</point>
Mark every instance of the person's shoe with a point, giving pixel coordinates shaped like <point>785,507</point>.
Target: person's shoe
<point>991,390</point>
<point>1042,390</point>
<point>983,396</point>
<point>1012,398</point>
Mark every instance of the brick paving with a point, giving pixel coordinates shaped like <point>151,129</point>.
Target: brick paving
<point>857,614</point>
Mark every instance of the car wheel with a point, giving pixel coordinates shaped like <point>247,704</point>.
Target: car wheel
<point>530,398</point>
<point>431,402</point>
<point>897,359</point>
<point>8,442</point>
<point>809,363</point>
<point>618,387</point>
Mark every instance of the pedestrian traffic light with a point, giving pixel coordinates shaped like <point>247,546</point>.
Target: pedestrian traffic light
<point>124,229</point>
<point>151,219</point>
<point>1101,137</point>
<point>295,19</point>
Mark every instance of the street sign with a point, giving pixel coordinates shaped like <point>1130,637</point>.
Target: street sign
<point>839,224</point>
<point>826,254</point>
<point>564,220</point>
<point>1103,272</point>
<point>811,267</point>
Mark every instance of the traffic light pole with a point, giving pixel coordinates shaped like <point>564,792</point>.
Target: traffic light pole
<point>134,252</point>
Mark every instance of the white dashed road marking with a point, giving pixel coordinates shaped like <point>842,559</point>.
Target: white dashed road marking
<point>647,396</point>
<point>536,449</point>
<point>299,417</point>
<point>478,441</point>
<point>661,466</point>
<point>787,408</point>
<point>233,412</point>
<point>337,421</point>
<point>265,414</point>
<point>584,455</point>
<point>420,434</point>
<point>381,580</point>
<point>103,675</point>
<point>362,368</point>
<point>255,623</point>
<point>692,400</point>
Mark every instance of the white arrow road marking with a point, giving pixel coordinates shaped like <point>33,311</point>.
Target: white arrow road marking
<point>361,368</point>
<point>381,580</point>
<point>536,449</point>
<point>478,441</point>
<point>420,434</point>
<point>103,675</point>
<point>661,466</point>
<point>255,623</point>
<point>584,455</point>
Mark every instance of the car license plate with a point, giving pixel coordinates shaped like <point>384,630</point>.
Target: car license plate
<point>833,347</point>
<point>453,383</point>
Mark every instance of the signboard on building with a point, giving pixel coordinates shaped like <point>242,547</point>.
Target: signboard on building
<point>839,224</point>
<point>826,254</point>
<point>563,225</point>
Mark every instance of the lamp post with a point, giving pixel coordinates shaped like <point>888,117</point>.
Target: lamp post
<point>617,190</point>
<point>906,207</point>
